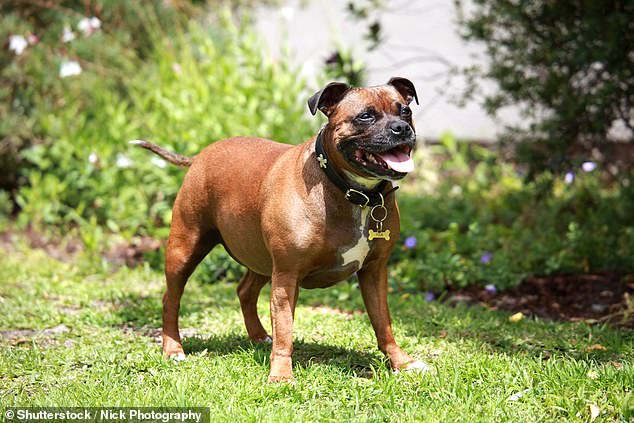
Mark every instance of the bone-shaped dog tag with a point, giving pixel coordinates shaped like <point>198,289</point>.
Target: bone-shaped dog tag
<point>379,235</point>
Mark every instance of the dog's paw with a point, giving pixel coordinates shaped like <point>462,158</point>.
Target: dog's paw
<point>177,357</point>
<point>414,366</point>
<point>265,340</point>
<point>281,379</point>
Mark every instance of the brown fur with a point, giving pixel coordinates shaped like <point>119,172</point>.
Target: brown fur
<point>276,213</point>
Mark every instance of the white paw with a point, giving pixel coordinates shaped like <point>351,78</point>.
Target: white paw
<point>268,339</point>
<point>178,357</point>
<point>416,365</point>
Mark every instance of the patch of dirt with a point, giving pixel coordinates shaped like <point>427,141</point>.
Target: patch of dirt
<point>131,253</point>
<point>65,249</point>
<point>155,333</point>
<point>592,298</point>
<point>322,309</point>
<point>45,337</point>
<point>60,249</point>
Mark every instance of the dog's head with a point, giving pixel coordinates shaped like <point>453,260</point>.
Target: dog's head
<point>371,129</point>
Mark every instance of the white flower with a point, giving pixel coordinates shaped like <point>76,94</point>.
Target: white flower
<point>68,34</point>
<point>456,190</point>
<point>89,25</point>
<point>93,158</point>
<point>84,25</point>
<point>516,396</point>
<point>588,166</point>
<point>287,13</point>
<point>158,162</point>
<point>17,44</point>
<point>123,161</point>
<point>95,22</point>
<point>69,68</point>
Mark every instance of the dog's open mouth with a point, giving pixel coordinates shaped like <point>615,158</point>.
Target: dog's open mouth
<point>397,159</point>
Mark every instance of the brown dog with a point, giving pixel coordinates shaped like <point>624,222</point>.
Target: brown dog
<point>299,216</point>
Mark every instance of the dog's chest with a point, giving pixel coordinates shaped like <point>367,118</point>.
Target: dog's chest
<point>357,252</point>
<point>348,249</point>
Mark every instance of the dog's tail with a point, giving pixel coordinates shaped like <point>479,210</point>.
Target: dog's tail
<point>177,159</point>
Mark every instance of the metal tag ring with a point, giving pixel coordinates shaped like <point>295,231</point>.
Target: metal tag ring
<point>378,206</point>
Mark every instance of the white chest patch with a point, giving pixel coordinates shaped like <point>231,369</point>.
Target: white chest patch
<point>360,250</point>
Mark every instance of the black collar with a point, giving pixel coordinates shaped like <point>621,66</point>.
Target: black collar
<point>358,197</point>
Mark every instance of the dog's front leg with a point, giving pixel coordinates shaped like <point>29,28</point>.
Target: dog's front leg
<point>284,291</point>
<point>373,284</point>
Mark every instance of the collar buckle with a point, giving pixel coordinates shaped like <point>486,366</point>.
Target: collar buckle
<point>354,196</point>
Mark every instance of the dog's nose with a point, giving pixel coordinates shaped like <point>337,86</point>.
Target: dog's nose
<point>400,128</point>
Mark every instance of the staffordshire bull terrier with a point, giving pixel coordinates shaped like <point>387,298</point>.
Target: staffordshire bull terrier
<point>308,215</point>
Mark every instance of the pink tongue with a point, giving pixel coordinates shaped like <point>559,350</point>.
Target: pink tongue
<point>398,161</point>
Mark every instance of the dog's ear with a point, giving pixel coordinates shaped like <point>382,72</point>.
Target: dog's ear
<point>405,88</point>
<point>327,97</point>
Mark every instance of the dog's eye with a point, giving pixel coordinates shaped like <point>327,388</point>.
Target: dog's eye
<point>406,112</point>
<point>366,117</point>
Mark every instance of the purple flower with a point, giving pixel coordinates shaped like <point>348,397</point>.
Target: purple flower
<point>588,166</point>
<point>486,257</point>
<point>410,242</point>
<point>430,296</point>
<point>490,288</point>
<point>569,178</point>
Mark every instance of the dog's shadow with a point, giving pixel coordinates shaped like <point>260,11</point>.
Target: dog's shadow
<point>305,353</point>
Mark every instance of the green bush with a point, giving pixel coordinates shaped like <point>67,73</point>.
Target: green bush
<point>567,65</point>
<point>108,44</point>
<point>468,217</point>
<point>483,224</point>
<point>195,87</point>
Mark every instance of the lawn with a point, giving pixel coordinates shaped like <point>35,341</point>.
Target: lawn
<point>82,334</point>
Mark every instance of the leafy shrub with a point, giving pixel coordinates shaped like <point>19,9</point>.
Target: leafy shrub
<point>470,219</point>
<point>568,65</point>
<point>195,87</point>
<point>483,224</point>
<point>47,40</point>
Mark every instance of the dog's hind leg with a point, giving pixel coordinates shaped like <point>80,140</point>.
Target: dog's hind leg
<point>248,291</point>
<point>183,253</point>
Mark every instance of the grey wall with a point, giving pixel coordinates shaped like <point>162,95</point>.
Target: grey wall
<point>421,43</point>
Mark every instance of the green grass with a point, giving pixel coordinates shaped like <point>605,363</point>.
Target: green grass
<point>109,355</point>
